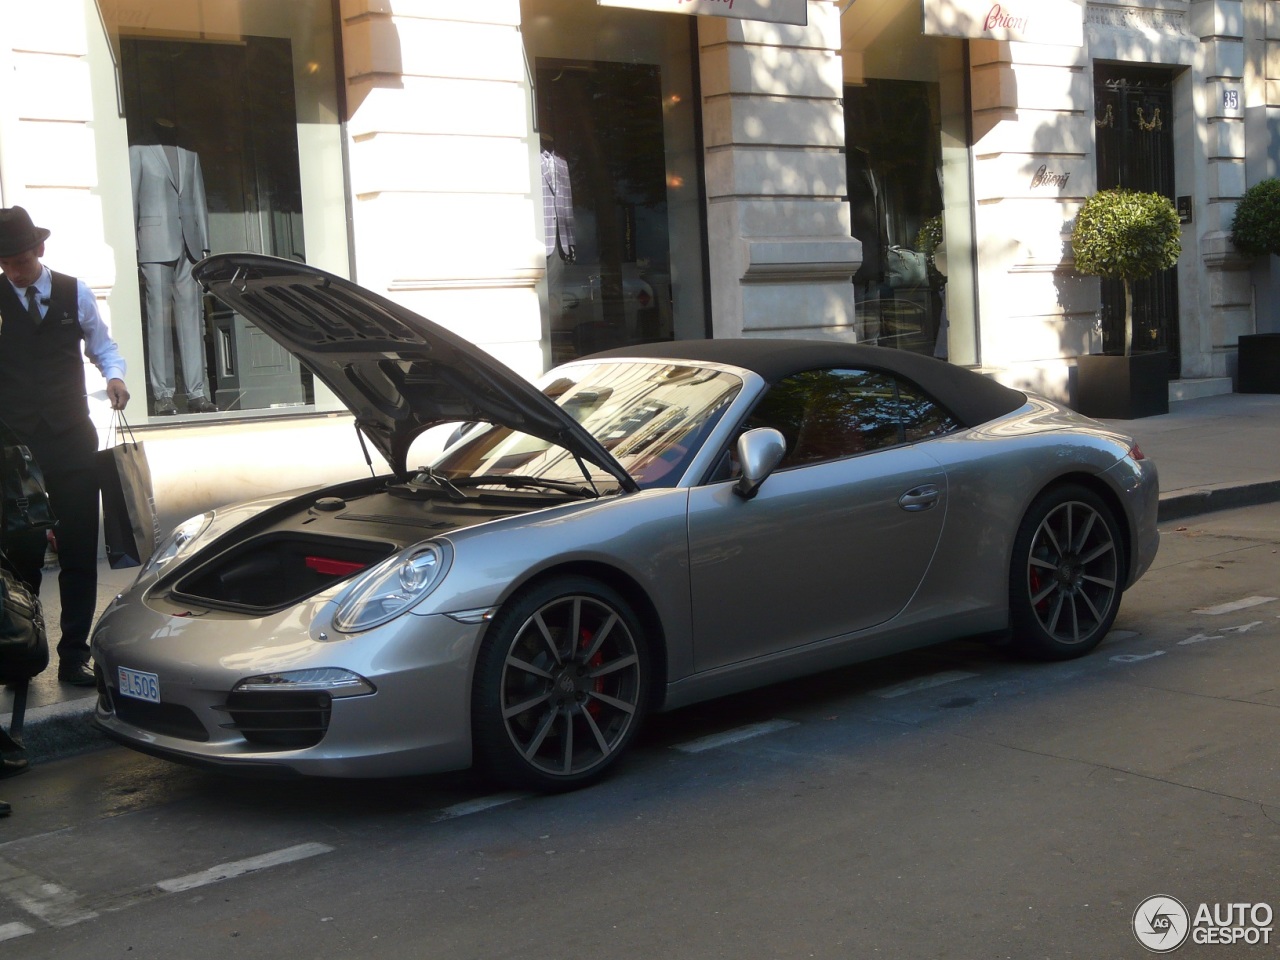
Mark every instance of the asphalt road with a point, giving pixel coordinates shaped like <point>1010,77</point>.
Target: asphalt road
<point>948,803</point>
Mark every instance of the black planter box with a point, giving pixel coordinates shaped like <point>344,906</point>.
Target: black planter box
<point>1122,388</point>
<point>1259,370</point>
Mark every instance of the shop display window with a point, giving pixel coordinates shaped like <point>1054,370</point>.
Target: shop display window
<point>232,124</point>
<point>617,168</point>
<point>895,195</point>
<point>908,139</point>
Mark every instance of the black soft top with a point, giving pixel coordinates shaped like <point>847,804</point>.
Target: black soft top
<point>972,398</point>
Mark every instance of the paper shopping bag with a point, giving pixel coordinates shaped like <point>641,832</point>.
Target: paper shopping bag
<point>130,526</point>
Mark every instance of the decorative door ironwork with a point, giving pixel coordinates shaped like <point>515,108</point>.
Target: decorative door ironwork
<point>1133,122</point>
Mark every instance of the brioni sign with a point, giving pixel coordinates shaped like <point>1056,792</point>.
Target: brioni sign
<point>1031,21</point>
<point>773,11</point>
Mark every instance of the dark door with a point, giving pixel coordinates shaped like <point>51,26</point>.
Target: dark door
<point>1134,121</point>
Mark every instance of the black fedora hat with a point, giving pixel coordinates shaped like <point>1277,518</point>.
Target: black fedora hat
<point>17,233</point>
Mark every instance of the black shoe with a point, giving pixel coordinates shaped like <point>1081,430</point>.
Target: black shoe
<point>77,674</point>
<point>5,809</point>
<point>165,407</point>
<point>12,766</point>
<point>201,405</point>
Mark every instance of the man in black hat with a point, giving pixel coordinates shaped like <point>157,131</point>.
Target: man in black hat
<point>50,323</point>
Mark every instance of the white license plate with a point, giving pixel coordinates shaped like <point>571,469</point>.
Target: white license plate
<point>139,685</point>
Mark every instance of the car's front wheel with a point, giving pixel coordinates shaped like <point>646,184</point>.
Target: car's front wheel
<point>1066,578</point>
<point>560,686</point>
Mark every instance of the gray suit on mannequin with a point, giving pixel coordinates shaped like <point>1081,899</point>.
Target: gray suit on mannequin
<point>173,233</point>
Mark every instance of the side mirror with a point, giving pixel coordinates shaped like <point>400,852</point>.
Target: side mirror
<point>759,451</point>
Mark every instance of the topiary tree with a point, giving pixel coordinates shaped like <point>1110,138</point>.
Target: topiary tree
<point>1255,228</point>
<point>1126,235</point>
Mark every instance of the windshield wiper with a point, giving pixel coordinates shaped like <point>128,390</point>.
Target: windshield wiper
<point>518,481</point>
<point>426,476</point>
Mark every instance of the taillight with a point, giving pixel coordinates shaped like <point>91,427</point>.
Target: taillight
<point>1136,453</point>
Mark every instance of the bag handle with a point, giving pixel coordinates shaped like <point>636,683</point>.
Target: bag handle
<point>118,427</point>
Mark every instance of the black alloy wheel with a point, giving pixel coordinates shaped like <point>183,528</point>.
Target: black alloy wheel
<point>561,685</point>
<point>1067,574</point>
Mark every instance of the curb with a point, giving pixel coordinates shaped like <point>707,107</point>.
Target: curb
<point>1212,499</point>
<point>57,730</point>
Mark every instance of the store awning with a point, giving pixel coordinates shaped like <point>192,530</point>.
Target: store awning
<point>772,11</point>
<point>1030,21</point>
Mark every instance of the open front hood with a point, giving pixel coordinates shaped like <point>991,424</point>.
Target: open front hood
<point>396,371</point>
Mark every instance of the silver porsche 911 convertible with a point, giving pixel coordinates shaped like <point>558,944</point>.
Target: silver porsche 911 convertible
<point>646,528</point>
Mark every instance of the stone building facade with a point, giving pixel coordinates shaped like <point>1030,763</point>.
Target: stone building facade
<point>873,173</point>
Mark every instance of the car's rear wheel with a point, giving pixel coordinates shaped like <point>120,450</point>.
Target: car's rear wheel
<point>1066,577</point>
<point>561,685</point>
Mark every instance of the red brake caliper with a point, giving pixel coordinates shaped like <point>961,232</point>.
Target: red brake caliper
<point>1036,582</point>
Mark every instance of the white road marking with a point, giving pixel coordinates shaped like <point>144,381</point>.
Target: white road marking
<point>733,736</point>
<point>1243,628</point>
<point>1199,638</point>
<point>12,931</point>
<point>1234,605</point>
<point>47,901</point>
<point>240,867</point>
<point>923,683</point>
<point>477,806</point>
<point>1136,657</point>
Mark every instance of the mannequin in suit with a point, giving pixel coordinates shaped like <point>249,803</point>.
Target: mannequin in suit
<point>173,233</point>
<point>557,203</point>
<point>557,223</point>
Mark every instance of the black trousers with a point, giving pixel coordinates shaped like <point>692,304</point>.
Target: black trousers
<point>67,460</point>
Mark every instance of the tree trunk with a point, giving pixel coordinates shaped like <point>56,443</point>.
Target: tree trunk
<point>1128,317</point>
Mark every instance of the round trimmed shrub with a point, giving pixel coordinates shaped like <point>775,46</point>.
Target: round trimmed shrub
<point>1126,235</point>
<point>1255,228</point>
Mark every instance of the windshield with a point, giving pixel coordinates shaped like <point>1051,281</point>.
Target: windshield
<point>652,417</point>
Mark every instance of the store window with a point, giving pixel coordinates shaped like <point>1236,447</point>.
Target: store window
<point>231,113</point>
<point>618,169</point>
<point>909,173</point>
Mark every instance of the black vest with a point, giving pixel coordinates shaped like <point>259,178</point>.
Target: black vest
<point>42,368</point>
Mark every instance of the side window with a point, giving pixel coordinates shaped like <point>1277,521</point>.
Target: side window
<point>831,414</point>
<point>922,418</point>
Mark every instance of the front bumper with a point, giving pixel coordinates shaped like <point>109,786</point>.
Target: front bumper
<point>416,721</point>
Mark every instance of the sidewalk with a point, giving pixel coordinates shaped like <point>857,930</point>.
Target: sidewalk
<point>1213,453</point>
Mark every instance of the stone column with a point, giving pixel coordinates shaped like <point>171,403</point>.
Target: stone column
<point>58,117</point>
<point>48,152</point>
<point>441,167</point>
<point>1033,165</point>
<point>781,253</point>
<point>1262,137</point>
<point>1227,306</point>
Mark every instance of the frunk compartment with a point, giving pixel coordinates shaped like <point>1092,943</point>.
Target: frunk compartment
<point>277,570</point>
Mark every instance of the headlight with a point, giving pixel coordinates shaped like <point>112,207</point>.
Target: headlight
<point>389,589</point>
<point>178,543</point>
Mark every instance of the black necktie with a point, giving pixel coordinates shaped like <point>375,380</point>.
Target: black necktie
<point>33,307</point>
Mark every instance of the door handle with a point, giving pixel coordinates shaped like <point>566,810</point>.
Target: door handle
<point>923,497</point>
